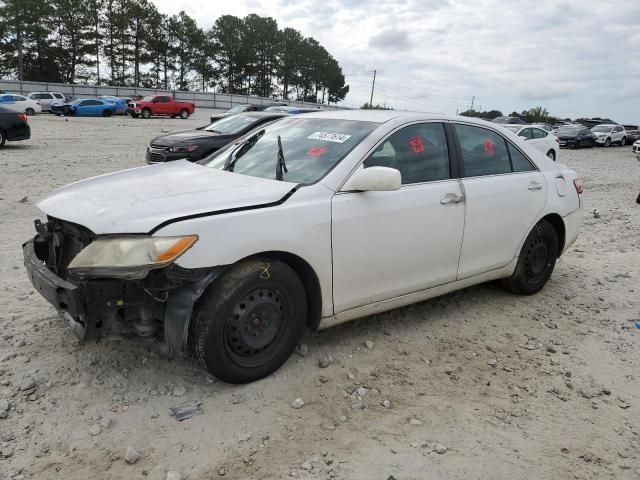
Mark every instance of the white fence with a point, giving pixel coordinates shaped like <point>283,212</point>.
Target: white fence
<point>200,99</point>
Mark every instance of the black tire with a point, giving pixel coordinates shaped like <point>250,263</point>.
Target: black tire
<point>3,138</point>
<point>146,113</point>
<point>106,113</point>
<point>184,114</point>
<point>135,115</point>
<point>249,321</point>
<point>623,142</point>
<point>536,261</point>
<point>607,142</point>
<point>552,155</point>
<point>576,145</point>
<point>30,112</point>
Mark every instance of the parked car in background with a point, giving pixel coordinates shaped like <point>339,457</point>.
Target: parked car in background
<point>592,122</point>
<point>13,126</point>
<point>197,144</point>
<point>635,148</point>
<point>575,136</point>
<point>633,132</point>
<point>87,107</point>
<point>160,105</point>
<point>247,107</point>
<point>540,138</point>
<point>509,121</point>
<point>544,126</point>
<point>119,102</point>
<point>19,103</point>
<point>46,98</point>
<point>608,134</point>
<point>292,110</point>
<point>312,221</point>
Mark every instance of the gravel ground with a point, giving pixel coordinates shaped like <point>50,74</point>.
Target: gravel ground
<point>476,384</point>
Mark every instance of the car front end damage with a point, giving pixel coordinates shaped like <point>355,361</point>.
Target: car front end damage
<point>95,303</point>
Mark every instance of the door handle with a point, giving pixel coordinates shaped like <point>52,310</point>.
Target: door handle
<point>452,198</point>
<point>535,186</point>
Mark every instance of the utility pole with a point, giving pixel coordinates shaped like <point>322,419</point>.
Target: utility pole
<point>473,99</point>
<point>372,87</point>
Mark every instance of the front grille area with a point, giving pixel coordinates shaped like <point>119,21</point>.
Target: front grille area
<point>58,242</point>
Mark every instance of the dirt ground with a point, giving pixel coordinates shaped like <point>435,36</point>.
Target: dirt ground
<point>479,384</point>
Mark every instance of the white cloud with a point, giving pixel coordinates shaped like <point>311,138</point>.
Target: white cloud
<point>571,56</point>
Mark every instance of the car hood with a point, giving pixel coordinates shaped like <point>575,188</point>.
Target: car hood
<point>186,137</point>
<point>137,200</point>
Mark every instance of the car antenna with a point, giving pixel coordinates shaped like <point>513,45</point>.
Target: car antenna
<point>280,164</point>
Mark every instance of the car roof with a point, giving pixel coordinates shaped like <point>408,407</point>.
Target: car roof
<point>263,114</point>
<point>610,125</point>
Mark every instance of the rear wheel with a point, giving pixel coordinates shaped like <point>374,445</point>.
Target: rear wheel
<point>30,111</point>
<point>184,114</point>
<point>536,261</point>
<point>106,113</point>
<point>623,142</point>
<point>3,138</point>
<point>249,321</point>
<point>552,155</point>
<point>146,113</point>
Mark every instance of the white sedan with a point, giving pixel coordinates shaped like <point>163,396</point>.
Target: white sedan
<point>309,221</point>
<point>19,103</point>
<point>539,137</point>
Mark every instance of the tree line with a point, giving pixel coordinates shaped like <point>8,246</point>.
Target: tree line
<point>533,115</point>
<point>130,43</point>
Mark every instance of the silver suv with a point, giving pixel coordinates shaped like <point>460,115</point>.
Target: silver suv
<point>607,134</point>
<point>46,98</point>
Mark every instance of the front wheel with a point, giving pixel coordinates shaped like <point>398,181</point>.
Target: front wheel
<point>184,114</point>
<point>249,320</point>
<point>30,111</point>
<point>623,142</point>
<point>3,138</point>
<point>536,261</point>
<point>607,142</point>
<point>146,113</point>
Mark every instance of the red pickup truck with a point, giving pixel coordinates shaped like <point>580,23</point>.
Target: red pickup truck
<point>160,105</point>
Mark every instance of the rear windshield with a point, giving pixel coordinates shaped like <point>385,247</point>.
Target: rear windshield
<point>238,109</point>
<point>310,147</point>
<point>569,129</point>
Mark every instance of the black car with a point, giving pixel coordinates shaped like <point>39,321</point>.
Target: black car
<point>509,121</point>
<point>13,126</point>
<point>196,144</point>
<point>575,136</point>
<point>247,107</point>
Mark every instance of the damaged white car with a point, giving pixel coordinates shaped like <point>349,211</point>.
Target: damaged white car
<point>307,222</point>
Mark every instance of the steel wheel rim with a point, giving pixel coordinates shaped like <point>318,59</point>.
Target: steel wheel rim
<point>257,327</point>
<point>537,259</point>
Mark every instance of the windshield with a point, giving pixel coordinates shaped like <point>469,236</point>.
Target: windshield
<point>569,129</point>
<point>601,128</point>
<point>311,147</point>
<point>147,99</point>
<point>238,109</point>
<point>232,125</point>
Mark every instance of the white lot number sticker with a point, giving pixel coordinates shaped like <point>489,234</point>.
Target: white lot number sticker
<point>330,137</point>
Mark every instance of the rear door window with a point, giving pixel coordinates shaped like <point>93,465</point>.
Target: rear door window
<point>59,96</point>
<point>539,133</point>
<point>519,162</point>
<point>483,152</point>
<point>526,133</point>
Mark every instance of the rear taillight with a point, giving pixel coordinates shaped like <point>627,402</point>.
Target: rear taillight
<point>22,117</point>
<point>577,183</point>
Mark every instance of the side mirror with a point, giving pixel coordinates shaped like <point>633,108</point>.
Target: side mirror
<point>376,179</point>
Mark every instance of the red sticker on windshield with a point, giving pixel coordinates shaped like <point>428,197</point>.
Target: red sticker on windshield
<point>488,146</point>
<point>316,151</point>
<point>416,145</point>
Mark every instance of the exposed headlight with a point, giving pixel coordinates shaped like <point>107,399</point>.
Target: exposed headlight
<point>129,257</point>
<point>183,149</point>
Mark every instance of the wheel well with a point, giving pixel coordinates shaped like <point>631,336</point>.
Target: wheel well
<point>558,224</point>
<point>309,280</point>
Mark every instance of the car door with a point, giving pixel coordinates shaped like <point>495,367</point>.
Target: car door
<point>163,106</point>
<point>387,244</point>
<point>84,108</point>
<point>504,194</point>
<point>45,100</point>
<point>7,102</point>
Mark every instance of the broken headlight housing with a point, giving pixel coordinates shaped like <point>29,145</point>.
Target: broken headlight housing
<point>129,257</point>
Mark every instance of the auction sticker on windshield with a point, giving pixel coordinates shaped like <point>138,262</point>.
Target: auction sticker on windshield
<point>329,137</point>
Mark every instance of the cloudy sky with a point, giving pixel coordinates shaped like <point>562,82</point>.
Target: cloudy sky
<point>574,57</point>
